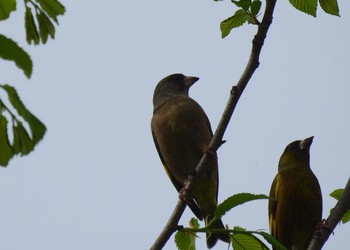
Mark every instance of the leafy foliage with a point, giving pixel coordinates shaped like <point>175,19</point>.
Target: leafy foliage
<point>336,194</point>
<point>6,7</point>
<point>310,6</point>
<point>46,11</point>
<point>307,6</point>
<point>242,240</point>
<point>330,6</point>
<point>27,130</point>
<point>249,10</point>
<point>185,239</point>
<point>9,50</point>
<point>247,13</point>
<point>235,200</point>
<point>23,141</point>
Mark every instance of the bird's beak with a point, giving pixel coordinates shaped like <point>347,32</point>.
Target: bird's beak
<point>306,143</point>
<point>190,80</point>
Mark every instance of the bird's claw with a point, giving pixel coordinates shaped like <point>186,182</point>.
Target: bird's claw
<point>183,194</point>
<point>324,224</point>
<point>209,151</point>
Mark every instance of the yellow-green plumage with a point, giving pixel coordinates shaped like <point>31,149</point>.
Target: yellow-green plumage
<point>181,131</point>
<point>295,207</point>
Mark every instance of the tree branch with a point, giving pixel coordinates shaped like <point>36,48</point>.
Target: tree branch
<point>321,234</point>
<point>216,141</point>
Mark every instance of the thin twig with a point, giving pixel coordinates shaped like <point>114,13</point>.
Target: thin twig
<point>321,235</point>
<point>216,141</point>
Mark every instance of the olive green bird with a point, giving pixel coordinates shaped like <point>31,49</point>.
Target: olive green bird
<point>295,206</point>
<point>181,131</point>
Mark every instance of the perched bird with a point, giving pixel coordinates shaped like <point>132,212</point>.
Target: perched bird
<point>295,206</point>
<point>181,132</point>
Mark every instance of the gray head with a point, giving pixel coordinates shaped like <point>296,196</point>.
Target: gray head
<point>172,85</point>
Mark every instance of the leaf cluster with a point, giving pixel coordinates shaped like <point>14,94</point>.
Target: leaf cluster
<point>41,27</point>
<point>27,130</point>
<point>241,239</point>
<point>248,12</point>
<point>23,141</point>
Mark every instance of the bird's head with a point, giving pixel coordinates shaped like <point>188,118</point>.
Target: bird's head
<point>172,85</point>
<point>296,154</point>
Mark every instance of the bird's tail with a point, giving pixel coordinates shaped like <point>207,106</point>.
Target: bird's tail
<point>212,238</point>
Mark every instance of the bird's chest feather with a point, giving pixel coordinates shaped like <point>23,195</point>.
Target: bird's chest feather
<point>182,131</point>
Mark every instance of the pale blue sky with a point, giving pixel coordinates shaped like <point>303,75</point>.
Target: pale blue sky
<point>96,182</point>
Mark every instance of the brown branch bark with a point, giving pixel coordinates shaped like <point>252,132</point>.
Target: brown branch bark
<point>321,235</point>
<point>216,141</point>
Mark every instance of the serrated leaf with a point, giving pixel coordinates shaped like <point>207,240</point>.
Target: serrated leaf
<point>336,194</point>
<point>306,6</point>
<point>9,50</point>
<point>330,7</point>
<point>262,244</point>
<point>244,240</point>
<point>6,7</point>
<point>37,128</point>
<point>235,200</point>
<point>31,30</point>
<point>52,7</point>
<point>270,239</point>
<point>255,7</point>
<point>237,20</point>
<point>244,4</point>
<point>6,152</point>
<point>185,240</point>
<point>22,143</point>
<point>46,27</point>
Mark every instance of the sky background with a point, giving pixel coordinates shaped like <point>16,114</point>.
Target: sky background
<point>96,182</point>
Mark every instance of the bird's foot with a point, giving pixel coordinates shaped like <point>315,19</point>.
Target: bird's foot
<point>324,225</point>
<point>183,194</point>
<point>209,151</point>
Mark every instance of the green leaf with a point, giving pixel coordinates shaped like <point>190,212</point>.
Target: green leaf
<point>37,128</point>
<point>307,6</point>
<point>185,240</point>
<point>270,239</point>
<point>235,200</point>
<point>330,7</point>
<point>243,240</point>
<point>346,217</point>
<point>194,223</point>
<point>6,7</point>
<point>31,30</point>
<point>255,7</point>
<point>238,19</point>
<point>52,7</point>
<point>21,140</point>
<point>336,194</point>
<point>46,27</point>
<point>6,152</point>
<point>244,4</point>
<point>9,50</point>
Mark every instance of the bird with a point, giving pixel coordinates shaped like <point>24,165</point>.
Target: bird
<point>181,133</point>
<point>295,204</point>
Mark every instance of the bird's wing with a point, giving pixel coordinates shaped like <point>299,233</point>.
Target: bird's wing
<point>272,208</point>
<point>211,132</point>
<point>192,204</point>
